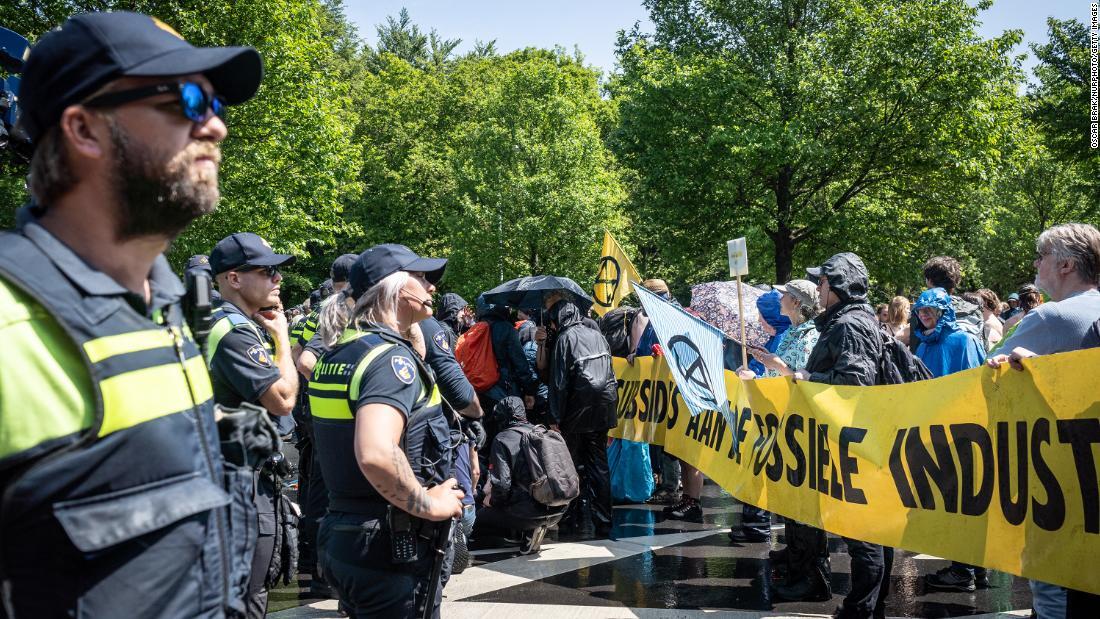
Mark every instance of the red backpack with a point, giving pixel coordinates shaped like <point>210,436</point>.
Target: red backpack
<point>474,351</point>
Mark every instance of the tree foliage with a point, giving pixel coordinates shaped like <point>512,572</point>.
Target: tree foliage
<point>776,118</point>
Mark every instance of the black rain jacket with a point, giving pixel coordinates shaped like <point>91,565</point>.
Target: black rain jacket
<point>510,474</point>
<point>573,343</point>
<point>850,346</point>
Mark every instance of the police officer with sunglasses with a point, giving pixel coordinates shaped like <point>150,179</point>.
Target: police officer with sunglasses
<point>113,499</point>
<point>248,352</point>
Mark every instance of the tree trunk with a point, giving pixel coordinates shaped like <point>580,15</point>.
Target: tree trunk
<point>784,254</point>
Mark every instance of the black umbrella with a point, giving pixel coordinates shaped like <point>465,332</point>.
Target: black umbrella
<point>528,292</point>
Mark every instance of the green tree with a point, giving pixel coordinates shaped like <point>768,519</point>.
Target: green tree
<point>778,118</point>
<point>289,163</point>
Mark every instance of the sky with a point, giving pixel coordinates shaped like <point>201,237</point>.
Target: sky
<point>592,25</point>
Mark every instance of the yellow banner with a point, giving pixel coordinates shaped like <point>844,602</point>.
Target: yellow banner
<point>613,277</point>
<point>988,467</point>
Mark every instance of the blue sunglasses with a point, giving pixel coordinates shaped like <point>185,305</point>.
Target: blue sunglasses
<point>193,100</point>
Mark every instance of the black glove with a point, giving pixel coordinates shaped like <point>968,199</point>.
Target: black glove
<point>473,430</point>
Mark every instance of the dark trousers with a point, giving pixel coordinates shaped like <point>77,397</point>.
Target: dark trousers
<point>264,497</point>
<point>871,566</point>
<point>355,555</point>
<point>806,547</point>
<point>755,521</point>
<point>589,452</point>
<point>313,495</point>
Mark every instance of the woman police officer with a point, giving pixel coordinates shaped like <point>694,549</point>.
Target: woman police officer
<point>383,438</point>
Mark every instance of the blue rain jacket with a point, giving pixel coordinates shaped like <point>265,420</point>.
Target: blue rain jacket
<point>947,349</point>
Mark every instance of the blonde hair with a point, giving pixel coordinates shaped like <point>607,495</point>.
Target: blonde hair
<point>378,305</point>
<point>898,312</point>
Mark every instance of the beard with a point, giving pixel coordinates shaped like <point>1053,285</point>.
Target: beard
<point>158,195</point>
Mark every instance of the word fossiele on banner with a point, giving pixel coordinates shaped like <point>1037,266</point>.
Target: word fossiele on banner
<point>986,467</point>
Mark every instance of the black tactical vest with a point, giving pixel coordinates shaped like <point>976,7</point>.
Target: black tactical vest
<point>428,441</point>
<point>98,509</point>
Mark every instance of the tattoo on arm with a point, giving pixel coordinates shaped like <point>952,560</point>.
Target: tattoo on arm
<point>404,491</point>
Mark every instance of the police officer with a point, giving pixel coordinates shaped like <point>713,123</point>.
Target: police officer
<point>383,438</point>
<point>110,472</point>
<point>249,357</point>
<point>200,264</point>
<point>312,492</point>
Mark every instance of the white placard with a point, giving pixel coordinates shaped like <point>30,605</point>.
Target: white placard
<point>739,257</point>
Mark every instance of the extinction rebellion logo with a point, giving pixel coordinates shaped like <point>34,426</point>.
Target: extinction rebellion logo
<point>607,282</point>
<point>689,361</point>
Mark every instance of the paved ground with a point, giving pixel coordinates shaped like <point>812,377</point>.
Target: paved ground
<point>655,568</point>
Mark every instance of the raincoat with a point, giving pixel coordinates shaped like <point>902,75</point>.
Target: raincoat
<point>768,306</point>
<point>947,349</point>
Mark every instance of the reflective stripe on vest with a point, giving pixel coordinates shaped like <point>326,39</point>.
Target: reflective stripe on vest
<point>223,325</point>
<point>143,394</point>
<point>336,401</point>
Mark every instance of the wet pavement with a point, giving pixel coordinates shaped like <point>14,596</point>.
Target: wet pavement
<point>662,568</point>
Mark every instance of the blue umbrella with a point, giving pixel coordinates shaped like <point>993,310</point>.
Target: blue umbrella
<point>528,292</point>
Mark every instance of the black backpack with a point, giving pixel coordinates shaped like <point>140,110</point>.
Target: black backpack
<point>898,365</point>
<point>554,479</point>
<point>593,381</point>
<point>615,326</point>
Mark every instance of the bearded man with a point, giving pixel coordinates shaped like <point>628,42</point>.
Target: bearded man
<point>111,480</point>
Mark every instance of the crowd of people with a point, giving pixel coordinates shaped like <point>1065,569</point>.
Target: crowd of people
<point>140,434</point>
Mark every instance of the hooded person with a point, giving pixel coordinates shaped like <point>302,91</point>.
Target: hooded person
<point>946,272</point>
<point>516,376</point>
<point>774,323</point>
<point>847,353</point>
<point>943,347</point>
<point>583,394</point>
<point>508,501</point>
<point>451,307</point>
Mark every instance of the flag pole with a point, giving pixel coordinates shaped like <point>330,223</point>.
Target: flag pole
<point>741,321</point>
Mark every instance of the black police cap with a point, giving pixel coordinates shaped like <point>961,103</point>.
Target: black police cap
<point>245,249</point>
<point>341,267</point>
<point>384,260</point>
<point>90,50</point>
<point>198,262</point>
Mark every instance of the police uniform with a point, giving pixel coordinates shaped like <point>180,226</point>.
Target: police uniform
<point>109,459</point>
<point>242,365</point>
<point>374,366</point>
<point>112,500</point>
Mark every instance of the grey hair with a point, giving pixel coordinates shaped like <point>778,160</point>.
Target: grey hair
<point>1078,243</point>
<point>378,305</point>
<point>808,312</point>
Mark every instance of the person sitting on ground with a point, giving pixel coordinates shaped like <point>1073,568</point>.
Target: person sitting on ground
<point>897,319</point>
<point>508,502</point>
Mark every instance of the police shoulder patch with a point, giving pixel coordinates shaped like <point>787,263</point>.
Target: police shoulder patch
<point>440,339</point>
<point>403,369</point>
<point>259,354</point>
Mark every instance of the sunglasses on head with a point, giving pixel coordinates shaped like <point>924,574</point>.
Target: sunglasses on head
<point>194,102</point>
<point>269,271</point>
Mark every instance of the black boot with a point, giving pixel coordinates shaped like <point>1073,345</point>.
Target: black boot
<point>814,586</point>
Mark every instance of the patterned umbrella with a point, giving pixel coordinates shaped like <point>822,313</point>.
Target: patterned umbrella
<point>716,303</point>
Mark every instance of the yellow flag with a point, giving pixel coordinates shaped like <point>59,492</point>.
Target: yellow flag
<point>613,277</point>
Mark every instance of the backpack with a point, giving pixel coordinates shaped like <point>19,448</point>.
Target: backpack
<point>897,364</point>
<point>615,326</point>
<point>593,380</point>
<point>474,352</point>
<point>554,479</point>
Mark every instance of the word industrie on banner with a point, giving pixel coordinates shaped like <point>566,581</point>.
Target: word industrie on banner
<point>613,277</point>
<point>987,467</point>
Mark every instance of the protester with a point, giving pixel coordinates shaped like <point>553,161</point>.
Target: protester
<point>508,503</point>
<point>847,353</point>
<point>525,327</point>
<point>803,555</point>
<point>945,272</point>
<point>897,319</point>
<point>454,315</point>
<point>1013,308</point>
<point>583,394</point>
<point>1029,298</point>
<point>945,349</point>
<point>1068,270</point>
<point>882,312</point>
<point>990,305</point>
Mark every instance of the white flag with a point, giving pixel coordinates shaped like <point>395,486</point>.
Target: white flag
<point>693,350</point>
